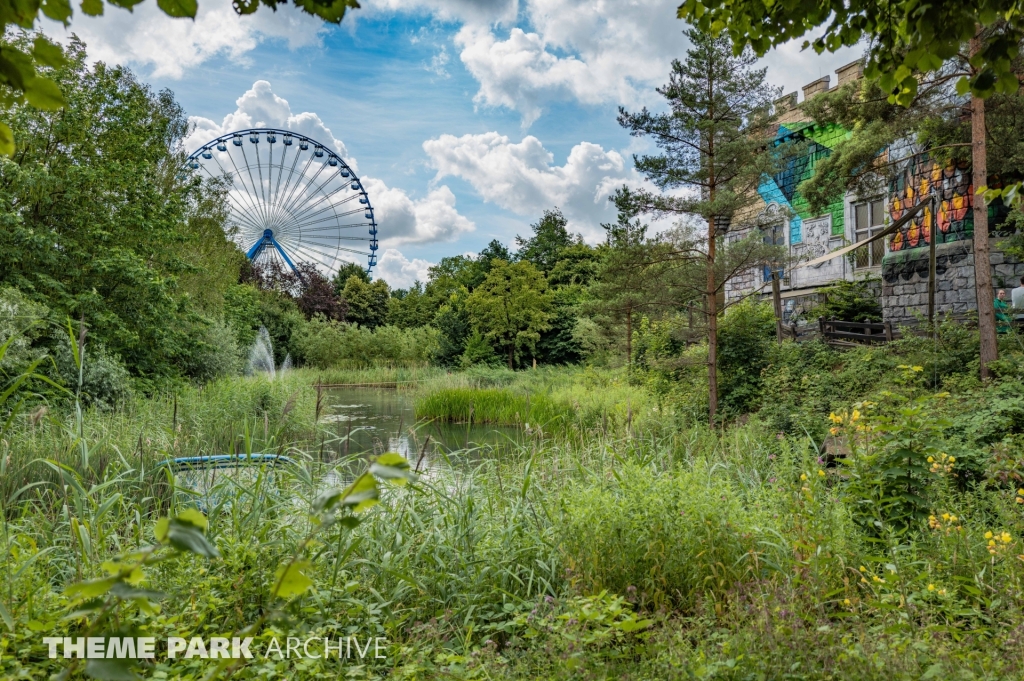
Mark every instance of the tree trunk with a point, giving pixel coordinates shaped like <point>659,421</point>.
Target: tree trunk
<point>712,326</point>
<point>982,264</point>
<point>511,352</point>
<point>629,338</point>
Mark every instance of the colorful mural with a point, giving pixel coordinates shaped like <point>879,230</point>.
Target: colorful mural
<point>919,177</point>
<point>781,188</point>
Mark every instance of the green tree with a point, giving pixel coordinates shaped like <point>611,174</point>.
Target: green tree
<point>349,269</point>
<point>98,223</point>
<point>453,323</point>
<point>908,41</point>
<point>511,307</point>
<point>627,283</point>
<point>367,303</point>
<point>412,307</point>
<point>713,143</point>
<point>550,238</point>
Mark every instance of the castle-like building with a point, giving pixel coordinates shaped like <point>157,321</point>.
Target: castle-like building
<point>897,265</point>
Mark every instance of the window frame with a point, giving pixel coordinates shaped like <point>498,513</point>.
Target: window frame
<point>870,257</point>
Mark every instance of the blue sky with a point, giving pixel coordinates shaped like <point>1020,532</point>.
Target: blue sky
<point>466,118</point>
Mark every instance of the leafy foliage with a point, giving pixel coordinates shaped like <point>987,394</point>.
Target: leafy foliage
<point>99,181</point>
<point>511,307</point>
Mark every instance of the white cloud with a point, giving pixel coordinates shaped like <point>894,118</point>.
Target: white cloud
<point>405,221</point>
<point>399,271</point>
<point>401,219</point>
<point>170,46</point>
<point>260,107</point>
<point>520,176</point>
<point>594,52</point>
<point>439,63</point>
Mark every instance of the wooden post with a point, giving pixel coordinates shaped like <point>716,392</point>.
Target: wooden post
<point>888,332</point>
<point>777,301</point>
<point>931,266</point>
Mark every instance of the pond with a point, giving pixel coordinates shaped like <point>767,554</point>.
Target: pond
<point>374,421</point>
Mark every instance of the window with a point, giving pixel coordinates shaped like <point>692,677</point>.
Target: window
<point>868,220</point>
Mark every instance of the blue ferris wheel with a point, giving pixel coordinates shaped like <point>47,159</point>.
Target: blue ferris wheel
<point>290,199</point>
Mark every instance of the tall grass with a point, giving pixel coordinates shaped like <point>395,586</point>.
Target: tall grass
<point>736,547</point>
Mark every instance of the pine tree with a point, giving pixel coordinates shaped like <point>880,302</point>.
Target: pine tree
<point>714,152</point>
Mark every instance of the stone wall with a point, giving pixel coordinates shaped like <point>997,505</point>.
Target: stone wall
<point>904,292</point>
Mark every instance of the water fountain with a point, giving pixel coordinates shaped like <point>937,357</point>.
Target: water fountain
<point>261,357</point>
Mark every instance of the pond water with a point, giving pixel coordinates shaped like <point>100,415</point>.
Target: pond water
<point>368,420</point>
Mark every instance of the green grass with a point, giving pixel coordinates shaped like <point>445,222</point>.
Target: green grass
<point>598,547</point>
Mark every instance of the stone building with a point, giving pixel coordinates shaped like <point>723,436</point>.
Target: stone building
<point>897,266</point>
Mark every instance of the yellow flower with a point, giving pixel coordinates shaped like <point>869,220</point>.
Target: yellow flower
<point>1020,492</point>
<point>1005,537</point>
<point>846,602</point>
<point>931,587</point>
<point>988,535</point>
<point>931,459</point>
<point>833,431</point>
<point>991,542</point>
<point>1020,500</point>
<point>821,473</point>
<point>862,568</point>
<point>803,477</point>
<point>942,592</point>
<point>952,518</point>
<point>952,459</point>
<point>917,368</point>
<point>855,415</point>
<point>945,516</point>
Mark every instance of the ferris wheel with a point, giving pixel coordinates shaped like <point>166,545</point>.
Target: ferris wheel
<point>291,199</point>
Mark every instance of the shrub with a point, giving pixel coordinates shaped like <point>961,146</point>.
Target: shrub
<point>213,352</point>
<point>849,301</point>
<point>21,323</point>
<point>668,537</point>
<point>325,343</point>
<point>745,342</point>
<point>478,351</point>
<point>105,381</point>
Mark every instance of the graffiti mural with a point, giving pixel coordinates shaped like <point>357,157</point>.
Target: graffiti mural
<point>955,191</point>
<point>781,188</point>
<point>952,184</point>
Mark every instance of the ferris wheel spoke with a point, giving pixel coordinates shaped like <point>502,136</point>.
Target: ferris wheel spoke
<point>302,213</point>
<point>231,197</point>
<point>234,177</point>
<point>245,190</point>
<point>335,214</point>
<point>280,175</point>
<point>288,184</point>
<point>298,190</point>
<point>291,203</point>
<point>255,192</point>
<point>325,256</point>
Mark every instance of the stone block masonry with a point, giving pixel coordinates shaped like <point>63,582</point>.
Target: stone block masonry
<point>904,294</point>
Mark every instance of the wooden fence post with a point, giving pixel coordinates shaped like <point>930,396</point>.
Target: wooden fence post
<point>777,301</point>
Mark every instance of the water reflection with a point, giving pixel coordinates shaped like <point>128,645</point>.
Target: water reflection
<point>370,421</point>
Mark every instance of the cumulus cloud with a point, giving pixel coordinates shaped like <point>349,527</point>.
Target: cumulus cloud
<point>594,52</point>
<point>521,177</point>
<point>404,221</point>
<point>170,46</point>
<point>399,271</point>
<point>401,219</point>
<point>260,107</point>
